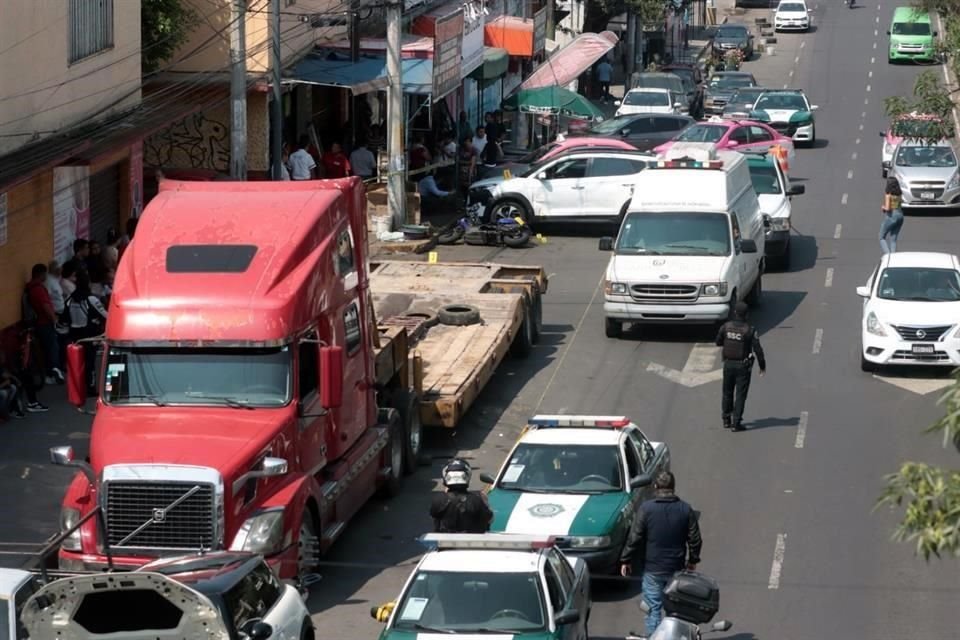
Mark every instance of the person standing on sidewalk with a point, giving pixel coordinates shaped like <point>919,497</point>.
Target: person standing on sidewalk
<point>605,77</point>
<point>664,539</point>
<point>892,216</point>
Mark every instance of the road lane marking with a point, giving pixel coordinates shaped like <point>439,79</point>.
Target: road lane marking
<point>866,101</point>
<point>878,19</point>
<point>919,386</point>
<point>791,73</point>
<point>796,60</point>
<point>801,431</point>
<point>817,341</point>
<point>785,86</point>
<point>876,33</point>
<point>836,232</point>
<point>777,568</point>
<point>861,127</point>
<point>863,114</point>
<point>868,88</point>
<point>843,200</point>
<point>853,156</point>
<point>699,368</point>
<point>869,74</point>
<point>857,141</point>
<point>828,281</point>
<point>850,174</point>
<point>803,43</point>
<point>874,45</point>
<point>873,60</point>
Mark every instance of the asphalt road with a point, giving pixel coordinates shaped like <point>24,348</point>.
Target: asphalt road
<point>787,505</point>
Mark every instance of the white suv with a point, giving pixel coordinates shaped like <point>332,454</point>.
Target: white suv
<point>586,185</point>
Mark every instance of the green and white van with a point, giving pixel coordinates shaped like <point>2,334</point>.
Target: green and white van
<point>911,36</point>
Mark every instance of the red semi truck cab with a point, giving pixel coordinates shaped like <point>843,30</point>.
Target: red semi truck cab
<point>238,403</point>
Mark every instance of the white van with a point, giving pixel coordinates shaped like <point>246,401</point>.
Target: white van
<point>691,243</point>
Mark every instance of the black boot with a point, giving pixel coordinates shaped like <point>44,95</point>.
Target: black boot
<point>738,426</point>
<point>726,422</point>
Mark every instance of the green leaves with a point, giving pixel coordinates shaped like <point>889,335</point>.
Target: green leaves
<point>164,26</point>
<point>929,97</point>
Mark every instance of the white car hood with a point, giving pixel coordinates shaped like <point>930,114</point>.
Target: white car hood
<point>792,15</point>
<point>915,313</point>
<point>779,115</point>
<point>631,269</point>
<point>627,110</point>
<point>49,614</point>
<point>774,205</point>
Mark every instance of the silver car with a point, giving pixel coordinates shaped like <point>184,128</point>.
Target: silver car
<point>927,173</point>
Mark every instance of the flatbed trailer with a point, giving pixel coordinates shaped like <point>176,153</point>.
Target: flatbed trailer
<point>428,311</point>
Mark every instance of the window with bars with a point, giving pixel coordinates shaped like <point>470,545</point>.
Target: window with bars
<point>91,28</point>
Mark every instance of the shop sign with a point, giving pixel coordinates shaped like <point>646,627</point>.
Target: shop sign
<point>447,43</point>
<point>539,31</point>
<point>473,23</point>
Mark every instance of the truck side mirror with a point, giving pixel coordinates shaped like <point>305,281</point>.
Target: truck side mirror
<point>643,480</point>
<point>748,246</point>
<point>77,374</point>
<point>796,190</point>
<point>606,243</point>
<point>331,377</point>
<point>64,457</point>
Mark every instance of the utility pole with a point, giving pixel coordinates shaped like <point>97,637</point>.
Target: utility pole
<point>354,57</point>
<point>396,191</point>
<point>631,48</point>
<point>238,89</point>
<point>276,102</point>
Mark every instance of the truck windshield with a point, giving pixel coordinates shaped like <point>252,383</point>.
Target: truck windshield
<point>236,377</point>
<point>675,234</point>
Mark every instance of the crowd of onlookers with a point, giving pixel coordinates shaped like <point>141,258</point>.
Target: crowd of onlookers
<point>61,304</point>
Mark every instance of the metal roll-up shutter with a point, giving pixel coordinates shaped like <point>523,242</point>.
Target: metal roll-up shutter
<point>104,202</point>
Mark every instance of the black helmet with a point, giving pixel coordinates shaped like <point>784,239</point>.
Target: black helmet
<point>740,310</point>
<point>456,473</point>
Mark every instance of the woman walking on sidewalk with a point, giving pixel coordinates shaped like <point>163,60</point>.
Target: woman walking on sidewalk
<point>892,216</point>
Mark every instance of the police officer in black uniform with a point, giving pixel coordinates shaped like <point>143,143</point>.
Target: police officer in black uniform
<point>740,344</point>
<point>458,510</point>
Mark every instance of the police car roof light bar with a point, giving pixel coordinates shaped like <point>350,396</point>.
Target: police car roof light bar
<point>608,422</point>
<point>495,541</point>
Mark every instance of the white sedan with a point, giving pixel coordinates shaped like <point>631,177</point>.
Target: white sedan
<point>792,15</point>
<point>911,311</point>
<point>647,100</point>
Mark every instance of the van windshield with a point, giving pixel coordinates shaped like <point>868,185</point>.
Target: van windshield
<point>675,234</point>
<point>911,29</point>
<point>233,377</point>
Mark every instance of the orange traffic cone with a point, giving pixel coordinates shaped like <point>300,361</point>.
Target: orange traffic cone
<point>780,153</point>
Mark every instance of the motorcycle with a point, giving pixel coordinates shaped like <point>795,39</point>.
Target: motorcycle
<point>512,232</point>
<point>689,600</point>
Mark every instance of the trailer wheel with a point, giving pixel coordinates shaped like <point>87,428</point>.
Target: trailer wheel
<point>458,315</point>
<point>537,308</point>
<point>395,445</point>
<point>408,405</point>
<point>523,341</point>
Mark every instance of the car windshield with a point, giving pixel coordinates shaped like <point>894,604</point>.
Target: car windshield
<point>647,99</point>
<point>675,234</point>
<point>911,29</point>
<point>686,76</point>
<point>556,468</point>
<point>730,82</point>
<point>787,101</point>
<point>792,7</point>
<point>661,82</point>
<point>732,32</point>
<point>614,125</point>
<point>926,157</point>
<point>921,284</point>
<point>537,154</point>
<point>474,602</point>
<point>746,96</point>
<point>235,377</point>
<point>702,133</point>
<point>765,179</point>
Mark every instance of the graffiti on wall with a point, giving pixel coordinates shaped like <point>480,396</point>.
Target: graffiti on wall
<point>196,142</point>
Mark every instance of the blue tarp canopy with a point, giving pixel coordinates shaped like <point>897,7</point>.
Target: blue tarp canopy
<point>367,74</point>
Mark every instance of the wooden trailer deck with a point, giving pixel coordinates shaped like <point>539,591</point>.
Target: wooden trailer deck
<point>450,364</point>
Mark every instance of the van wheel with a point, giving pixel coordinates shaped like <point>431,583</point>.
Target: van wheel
<point>755,297</point>
<point>408,405</point>
<point>612,327</point>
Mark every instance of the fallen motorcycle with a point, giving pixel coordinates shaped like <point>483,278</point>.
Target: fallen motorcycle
<point>689,600</point>
<point>512,232</point>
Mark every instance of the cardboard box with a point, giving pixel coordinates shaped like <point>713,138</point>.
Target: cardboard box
<point>377,203</point>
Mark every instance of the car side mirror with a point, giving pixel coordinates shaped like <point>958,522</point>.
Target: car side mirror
<point>888,32</point>
<point>883,134</point>
<point>257,630</point>
<point>486,478</point>
<point>733,143</point>
<point>624,132</point>
<point>542,175</point>
<point>382,613</point>
<point>643,480</point>
<point>814,107</point>
<point>617,103</point>
<point>721,626</point>
<point>766,221</point>
<point>936,33</point>
<point>863,292</point>
<point>796,190</point>
<point>77,374</point>
<point>64,457</point>
<point>747,245</point>
<point>567,616</point>
<point>606,243</point>
<point>677,105</point>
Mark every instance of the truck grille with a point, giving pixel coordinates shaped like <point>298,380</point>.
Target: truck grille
<point>929,334</point>
<point>664,292</point>
<point>189,525</point>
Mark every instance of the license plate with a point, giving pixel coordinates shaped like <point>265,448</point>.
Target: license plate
<point>927,195</point>
<point>923,348</point>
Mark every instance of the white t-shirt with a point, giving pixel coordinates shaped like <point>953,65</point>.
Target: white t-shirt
<point>363,162</point>
<point>301,164</point>
<point>479,144</point>
<point>79,311</point>
<point>56,293</point>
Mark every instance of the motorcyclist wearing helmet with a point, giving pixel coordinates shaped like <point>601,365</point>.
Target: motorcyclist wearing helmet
<point>459,510</point>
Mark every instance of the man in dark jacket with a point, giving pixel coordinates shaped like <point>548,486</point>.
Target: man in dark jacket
<point>664,539</point>
<point>459,510</point>
<point>740,343</point>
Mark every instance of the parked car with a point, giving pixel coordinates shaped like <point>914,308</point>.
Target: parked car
<point>734,36</point>
<point>647,100</point>
<point>16,587</point>
<point>775,194</point>
<point>791,15</point>
<point>911,311</point>
<point>552,149</point>
<point>789,112</point>
<point>917,126</point>
<point>722,86</point>
<point>692,79</point>
<point>927,173</point>
<point>739,135</point>
<point>643,131</point>
<point>669,81</point>
<point>741,103</point>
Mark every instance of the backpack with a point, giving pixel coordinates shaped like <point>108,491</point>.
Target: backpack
<point>95,321</point>
<point>27,313</point>
<point>459,516</point>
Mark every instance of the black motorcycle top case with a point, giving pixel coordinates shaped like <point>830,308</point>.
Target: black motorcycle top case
<point>692,596</point>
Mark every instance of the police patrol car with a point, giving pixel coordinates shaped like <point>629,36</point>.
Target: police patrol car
<point>491,586</point>
<point>579,478</point>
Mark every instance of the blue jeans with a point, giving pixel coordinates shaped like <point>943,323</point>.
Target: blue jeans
<point>653,586</point>
<point>892,222</point>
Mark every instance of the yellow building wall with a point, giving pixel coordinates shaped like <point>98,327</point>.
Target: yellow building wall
<point>29,240</point>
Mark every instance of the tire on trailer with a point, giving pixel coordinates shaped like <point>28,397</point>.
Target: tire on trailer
<point>394,451</point>
<point>537,313</point>
<point>408,406</point>
<point>522,343</point>
<point>458,315</point>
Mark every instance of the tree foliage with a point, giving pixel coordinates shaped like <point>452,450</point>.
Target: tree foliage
<point>164,26</point>
<point>929,97</point>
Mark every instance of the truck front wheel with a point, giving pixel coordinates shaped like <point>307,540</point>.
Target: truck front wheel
<point>308,547</point>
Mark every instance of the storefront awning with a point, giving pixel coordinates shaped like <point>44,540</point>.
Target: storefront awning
<point>510,33</point>
<point>495,64</point>
<point>366,75</point>
<point>566,65</point>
